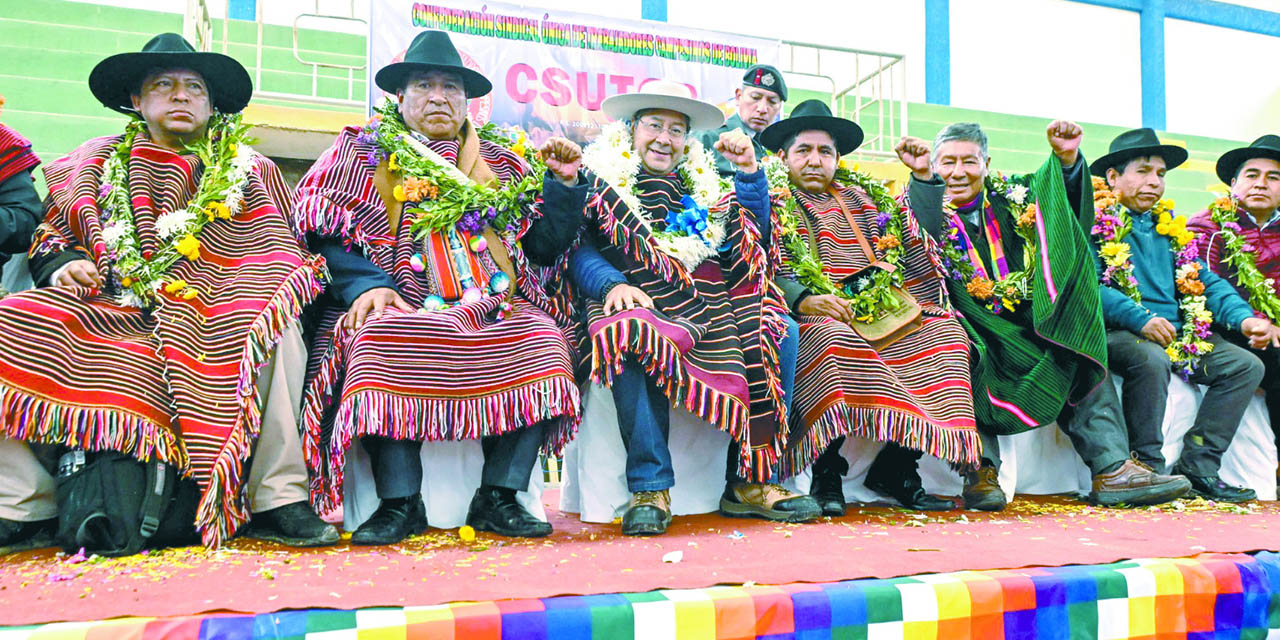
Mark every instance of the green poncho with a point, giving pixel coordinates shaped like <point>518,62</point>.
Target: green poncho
<point>1028,364</point>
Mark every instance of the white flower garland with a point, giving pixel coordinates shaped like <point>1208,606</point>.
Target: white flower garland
<point>141,276</point>
<point>612,158</point>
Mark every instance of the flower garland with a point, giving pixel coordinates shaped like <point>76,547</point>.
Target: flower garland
<point>871,296</point>
<point>435,190</point>
<point>228,163</point>
<point>996,294</point>
<point>1112,226</point>
<point>612,159</point>
<point>1239,254</point>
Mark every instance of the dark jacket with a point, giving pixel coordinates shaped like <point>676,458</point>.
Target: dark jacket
<point>709,137</point>
<point>351,274</point>
<point>20,212</point>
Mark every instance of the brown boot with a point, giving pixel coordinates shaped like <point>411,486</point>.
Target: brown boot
<point>1136,484</point>
<point>982,490</point>
<point>648,515</point>
<point>769,501</point>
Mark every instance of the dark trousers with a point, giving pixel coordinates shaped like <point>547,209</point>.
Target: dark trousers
<point>1270,358</point>
<point>1231,373</point>
<point>1095,427</point>
<point>508,461</point>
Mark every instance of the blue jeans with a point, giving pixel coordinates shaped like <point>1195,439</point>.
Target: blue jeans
<point>644,419</point>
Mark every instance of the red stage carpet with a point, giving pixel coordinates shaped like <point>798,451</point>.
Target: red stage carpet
<point>588,559</point>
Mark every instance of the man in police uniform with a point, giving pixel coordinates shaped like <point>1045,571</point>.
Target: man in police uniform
<point>759,101</point>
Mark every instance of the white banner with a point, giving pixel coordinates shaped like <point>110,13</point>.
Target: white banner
<point>550,71</point>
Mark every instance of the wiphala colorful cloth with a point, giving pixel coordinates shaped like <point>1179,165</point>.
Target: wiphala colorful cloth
<point>176,382</point>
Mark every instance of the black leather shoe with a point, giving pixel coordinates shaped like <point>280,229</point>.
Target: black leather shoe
<point>496,510</point>
<point>295,525</point>
<point>903,484</point>
<point>828,489</point>
<point>395,520</point>
<point>648,515</point>
<point>1213,488</point>
<point>20,536</point>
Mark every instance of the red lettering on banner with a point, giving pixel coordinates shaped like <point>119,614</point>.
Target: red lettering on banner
<point>622,84</point>
<point>556,87</point>
<point>553,80</point>
<point>514,75</point>
<point>584,91</point>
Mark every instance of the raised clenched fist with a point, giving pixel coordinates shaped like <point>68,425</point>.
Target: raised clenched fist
<point>914,153</point>
<point>736,147</point>
<point>563,158</point>
<point>1064,137</point>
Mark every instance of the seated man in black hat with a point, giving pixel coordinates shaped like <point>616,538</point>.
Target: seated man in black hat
<point>1020,272</point>
<point>1161,306</point>
<point>848,246</point>
<point>1237,236</point>
<point>171,330</point>
<point>436,327</point>
<point>759,101</point>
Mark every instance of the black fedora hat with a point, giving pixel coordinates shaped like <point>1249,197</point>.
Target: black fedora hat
<point>1267,146</point>
<point>431,50</point>
<point>1138,143</point>
<point>114,79</point>
<point>810,115</point>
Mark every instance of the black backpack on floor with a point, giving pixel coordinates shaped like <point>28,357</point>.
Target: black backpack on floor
<point>111,504</point>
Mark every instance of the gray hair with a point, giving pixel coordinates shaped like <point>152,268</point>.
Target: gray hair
<point>961,132</point>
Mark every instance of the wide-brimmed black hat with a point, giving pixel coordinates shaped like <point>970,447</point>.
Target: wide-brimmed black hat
<point>432,50</point>
<point>1267,146</point>
<point>1138,143</point>
<point>810,115</point>
<point>767,78</point>
<point>117,77</point>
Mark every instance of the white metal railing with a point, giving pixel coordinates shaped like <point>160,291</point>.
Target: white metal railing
<point>197,26</point>
<point>863,85</point>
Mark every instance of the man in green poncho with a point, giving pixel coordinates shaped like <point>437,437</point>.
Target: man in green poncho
<point>1020,272</point>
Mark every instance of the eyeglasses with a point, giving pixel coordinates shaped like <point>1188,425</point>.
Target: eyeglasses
<point>655,128</point>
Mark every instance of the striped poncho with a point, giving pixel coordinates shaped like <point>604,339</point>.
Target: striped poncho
<point>15,153</point>
<point>454,374</point>
<point>712,339</point>
<point>1028,365</point>
<point>914,391</point>
<point>175,383</point>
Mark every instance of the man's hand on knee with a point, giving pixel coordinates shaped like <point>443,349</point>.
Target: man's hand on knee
<point>370,304</point>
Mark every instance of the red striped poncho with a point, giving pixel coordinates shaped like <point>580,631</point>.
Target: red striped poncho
<point>175,383</point>
<point>915,391</point>
<point>712,339</point>
<point>457,374</point>
<point>15,153</point>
